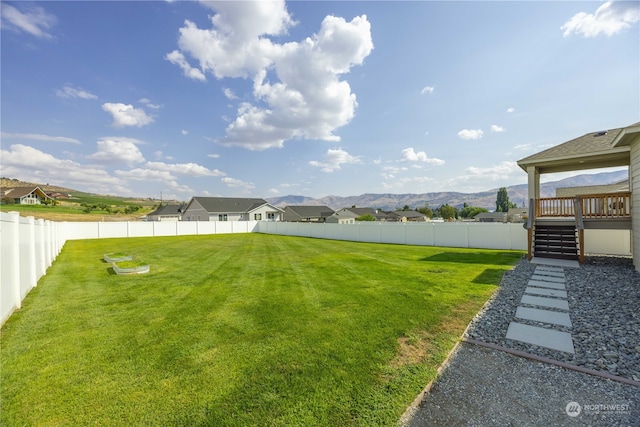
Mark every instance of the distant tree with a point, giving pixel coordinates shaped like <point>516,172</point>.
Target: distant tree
<point>471,211</point>
<point>366,217</point>
<point>447,212</point>
<point>426,210</point>
<point>502,201</point>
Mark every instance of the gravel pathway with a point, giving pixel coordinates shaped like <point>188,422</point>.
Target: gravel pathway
<point>485,386</point>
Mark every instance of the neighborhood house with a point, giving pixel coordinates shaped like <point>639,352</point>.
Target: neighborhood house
<point>230,209</point>
<point>26,196</point>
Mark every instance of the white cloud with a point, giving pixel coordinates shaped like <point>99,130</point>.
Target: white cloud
<point>333,159</point>
<point>71,92</point>
<point>304,98</point>
<point>229,93</point>
<point>29,164</point>
<point>511,110</point>
<point>409,155</point>
<point>191,169</point>
<point>34,21</point>
<point>496,128</point>
<point>237,183</point>
<point>427,90</point>
<point>126,115</point>
<point>177,58</point>
<point>470,133</point>
<point>505,170</point>
<point>113,150</point>
<point>610,18</point>
<point>38,137</point>
<point>213,156</point>
<point>522,147</point>
<point>147,102</point>
<point>184,132</point>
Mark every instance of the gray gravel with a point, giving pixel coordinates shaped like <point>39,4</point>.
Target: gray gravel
<point>604,306</point>
<point>483,386</point>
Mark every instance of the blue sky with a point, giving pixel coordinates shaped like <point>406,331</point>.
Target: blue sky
<point>268,99</point>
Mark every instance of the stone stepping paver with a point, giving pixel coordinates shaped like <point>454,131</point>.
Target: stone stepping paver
<point>549,273</point>
<point>544,316</point>
<point>549,338</point>
<point>549,285</point>
<point>548,278</point>
<point>545,291</point>
<point>545,302</point>
<point>549,268</point>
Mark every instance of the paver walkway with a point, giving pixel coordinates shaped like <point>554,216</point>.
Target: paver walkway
<point>544,302</point>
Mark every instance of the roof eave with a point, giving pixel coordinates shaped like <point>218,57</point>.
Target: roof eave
<point>616,156</point>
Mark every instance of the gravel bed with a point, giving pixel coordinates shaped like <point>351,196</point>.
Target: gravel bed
<point>604,307</point>
<point>487,387</point>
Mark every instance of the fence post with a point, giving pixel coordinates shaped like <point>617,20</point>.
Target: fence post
<point>32,279</point>
<point>14,259</point>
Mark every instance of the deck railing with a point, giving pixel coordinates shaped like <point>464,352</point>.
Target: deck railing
<point>594,206</point>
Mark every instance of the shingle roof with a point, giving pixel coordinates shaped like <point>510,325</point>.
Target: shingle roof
<point>311,211</point>
<point>229,204</point>
<point>17,192</point>
<point>589,150</point>
<point>167,210</point>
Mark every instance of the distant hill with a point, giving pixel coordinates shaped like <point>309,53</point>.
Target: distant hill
<point>486,199</point>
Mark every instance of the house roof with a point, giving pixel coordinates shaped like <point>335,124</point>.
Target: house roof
<point>592,150</point>
<point>18,192</point>
<point>168,210</point>
<point>230,204</point>
<point>311,211</point>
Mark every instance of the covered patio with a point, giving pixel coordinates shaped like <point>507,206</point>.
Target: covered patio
<point>556,225</point>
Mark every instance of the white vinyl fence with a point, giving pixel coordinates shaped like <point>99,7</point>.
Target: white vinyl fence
<point>451,234</point>
<point>30,246</point>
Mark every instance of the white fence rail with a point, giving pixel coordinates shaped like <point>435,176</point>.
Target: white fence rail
<point>30,246</point>
<point>452,234</point>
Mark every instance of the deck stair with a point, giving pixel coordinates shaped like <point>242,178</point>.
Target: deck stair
<point>555,241</point>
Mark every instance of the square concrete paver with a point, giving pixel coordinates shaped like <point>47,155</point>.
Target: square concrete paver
<point>545,291</point>
<point>551,273</point>
<point>555,262</point>
<point>549,285</point>
<point>548,278</point>
<point>545,302</point>
<point>544,316</point>
<point>549,338</point>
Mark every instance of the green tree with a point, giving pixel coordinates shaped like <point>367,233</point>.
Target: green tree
<point>471,211</point>
<point>502,201</point>
<point>447,212</point>
<point>426,210</point>
<point>366,217</point>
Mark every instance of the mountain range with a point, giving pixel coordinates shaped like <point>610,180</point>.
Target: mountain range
<point>486,199</point>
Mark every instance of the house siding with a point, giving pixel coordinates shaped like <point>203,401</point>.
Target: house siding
<point>195,212</point>
<point>634,184</point>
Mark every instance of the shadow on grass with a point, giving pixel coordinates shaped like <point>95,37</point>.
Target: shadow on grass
<point>497,257</point>
<point>490,276</point>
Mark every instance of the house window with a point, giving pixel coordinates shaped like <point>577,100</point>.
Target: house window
<point>222,217</point>
<point>271,216</point>
<point>257,216</point>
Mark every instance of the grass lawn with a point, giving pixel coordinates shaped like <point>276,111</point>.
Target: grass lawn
<point>232,330</point>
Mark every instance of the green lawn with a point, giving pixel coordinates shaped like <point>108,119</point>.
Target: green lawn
<point>233,330</point>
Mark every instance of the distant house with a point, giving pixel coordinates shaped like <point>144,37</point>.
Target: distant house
<point>378,214</point>
<point>593,189</point>
<point>491,217</point>
<point>230,209</point>
<point>26,195</point>
<point>342,217</point>
<point>409,216</point>
<point>167,213</point>
<point>517,214</point>
<point>307,213</point>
